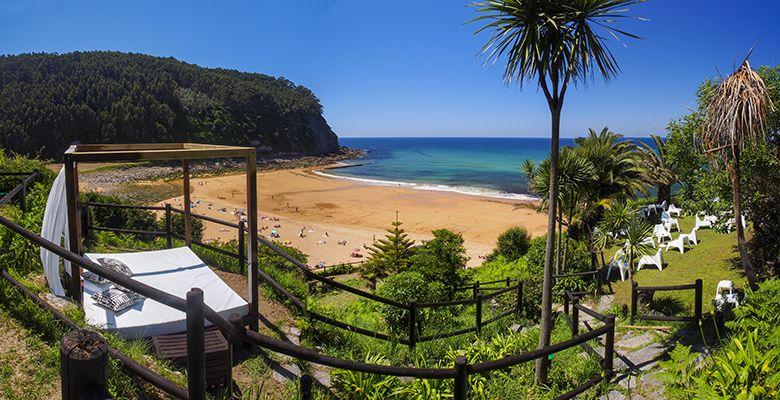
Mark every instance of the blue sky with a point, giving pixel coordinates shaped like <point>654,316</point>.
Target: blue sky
<point>408,68</point>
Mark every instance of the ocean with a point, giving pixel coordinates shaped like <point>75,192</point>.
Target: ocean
<point>478,166</point>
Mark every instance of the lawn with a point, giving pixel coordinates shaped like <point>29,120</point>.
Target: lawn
<point>712,260</point>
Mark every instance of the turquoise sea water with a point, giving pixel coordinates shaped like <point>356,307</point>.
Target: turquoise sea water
<point>480,166</point>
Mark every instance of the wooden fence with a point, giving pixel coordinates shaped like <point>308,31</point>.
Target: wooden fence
<point>233,328</point>
<point>412,338</point>
<point>697,302</point>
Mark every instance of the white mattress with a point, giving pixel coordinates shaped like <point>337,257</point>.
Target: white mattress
<point>173,271</point>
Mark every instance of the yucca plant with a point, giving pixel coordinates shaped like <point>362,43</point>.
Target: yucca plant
<point>634,232</point>
<point>736,116</point>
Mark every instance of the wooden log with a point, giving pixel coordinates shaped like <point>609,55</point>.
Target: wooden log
<point>664,328</point>
<point>83,364</point>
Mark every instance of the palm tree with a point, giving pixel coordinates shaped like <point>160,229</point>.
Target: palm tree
<point>657,172</point>
<point>736,116</point>
<point>553,43</point>
<point>619,168</point>
<point>575,175</point>
<point>634,232</point>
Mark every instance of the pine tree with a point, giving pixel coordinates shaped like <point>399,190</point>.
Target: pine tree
<point>388,255</point>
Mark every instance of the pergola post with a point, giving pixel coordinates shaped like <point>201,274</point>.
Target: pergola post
<point>74,222</point>
<point>251,219</point>
<point>185,166</point>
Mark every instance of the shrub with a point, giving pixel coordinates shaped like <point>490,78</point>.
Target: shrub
<point>441,259</point>
<point>177,226</point>
<point>406,287</point>
<point>512,244</point>
<point>143,220</point>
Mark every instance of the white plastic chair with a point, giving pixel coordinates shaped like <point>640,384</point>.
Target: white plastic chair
<point>650,240</point>
<point>731,224</point>
<point>674,210</point>
<point>657,260</point>
<point>703,222</point>
<point>663,205</point>
<point>692,238</point>
<point>670,222</point>
<point>622,266</point>
<point>660,232</point>
<point>678,243</point>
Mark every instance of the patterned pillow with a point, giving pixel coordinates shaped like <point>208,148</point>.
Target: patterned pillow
<point>117,300</point>
<point>112,264</point>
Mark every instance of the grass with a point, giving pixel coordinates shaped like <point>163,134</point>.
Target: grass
<point>712,260</point>
<point>28,365</point>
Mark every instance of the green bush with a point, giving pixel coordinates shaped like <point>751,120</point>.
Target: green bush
<point>441,259</point>
<point>406,287</point>
<point>177,226</point>
<point>512,244</point>
<point>744,367</point>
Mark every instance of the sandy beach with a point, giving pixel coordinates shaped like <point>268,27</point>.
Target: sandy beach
<point>332,210</point>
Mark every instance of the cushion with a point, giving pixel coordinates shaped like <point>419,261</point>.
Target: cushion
<point>116,300</point>
<point>112,264</point>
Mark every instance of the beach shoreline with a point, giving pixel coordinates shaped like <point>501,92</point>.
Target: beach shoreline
<point>330,211</point>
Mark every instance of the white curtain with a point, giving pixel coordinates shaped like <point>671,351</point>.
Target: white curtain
<point>55,229</point>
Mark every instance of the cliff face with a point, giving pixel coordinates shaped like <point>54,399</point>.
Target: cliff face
<point>48,101</point>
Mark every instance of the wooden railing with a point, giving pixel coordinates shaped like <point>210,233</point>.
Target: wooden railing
<point>697,302</point>
<point>197,313</point>
<point>20,190</point>
<point>411,339</point>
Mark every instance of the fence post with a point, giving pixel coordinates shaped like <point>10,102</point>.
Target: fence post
<point>507,282</point>
<point>479,314</point>
<point>168,233</point>
<point>698,300</point>
<point>241,250</point>
<point>85,221</point>
<point>633,300</point>
<point>306,387</point>
<point>412,324</point>
<point>519,305</point>
<point>83,365</point>
<point>461,378</point>
<point>475,290</point>
<point>23,197</point>
<point>196,346</point>
<point>609,348</point>
<point>575,316</point>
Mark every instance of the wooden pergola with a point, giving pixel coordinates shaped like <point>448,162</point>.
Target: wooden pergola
<point>162,152</point>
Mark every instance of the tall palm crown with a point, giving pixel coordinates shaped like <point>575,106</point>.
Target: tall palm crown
<point>618,166</point>
<point>555,40</point>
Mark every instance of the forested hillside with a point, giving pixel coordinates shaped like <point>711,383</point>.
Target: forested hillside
<point>48,101</point>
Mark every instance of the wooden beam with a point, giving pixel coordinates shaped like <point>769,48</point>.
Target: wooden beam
<point>74,222</point>
<point>187,209</point>
<point>251,219</point>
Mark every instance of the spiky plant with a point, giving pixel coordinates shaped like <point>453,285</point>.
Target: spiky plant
<point>634,233</point>
<point>736,116</point>
<point>657,171</point>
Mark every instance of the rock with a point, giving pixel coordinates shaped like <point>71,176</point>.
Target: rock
<point>647,357</point>
<point>515,327</point>
<point>59,303</point>
<point>613,395</point>
<point>294,331</point>
<point>629,341</point>
<point>286,373</point>
<point>322,376</point>
<point>605,302</point>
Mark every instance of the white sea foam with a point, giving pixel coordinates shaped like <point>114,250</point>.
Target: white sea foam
<point>468,190</point>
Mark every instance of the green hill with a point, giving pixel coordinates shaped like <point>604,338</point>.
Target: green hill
<point>48,101</point>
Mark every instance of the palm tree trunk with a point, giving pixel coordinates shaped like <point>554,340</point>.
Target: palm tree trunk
<point>558,243</point>
<point>631,265</point>
<point>542,364</point>
<point>664,194</point>
<point>565,250</point>
<point>736,192</point>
